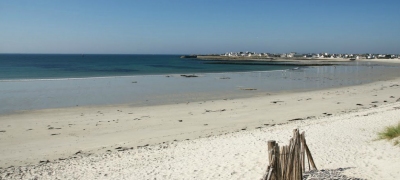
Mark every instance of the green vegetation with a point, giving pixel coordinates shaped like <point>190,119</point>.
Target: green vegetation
<point>391,132</point>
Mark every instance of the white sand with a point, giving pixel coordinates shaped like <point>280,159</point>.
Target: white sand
<point>343,140</point>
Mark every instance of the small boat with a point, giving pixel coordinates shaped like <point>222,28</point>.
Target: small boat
<point>352,59</point>
<point>296,68</point>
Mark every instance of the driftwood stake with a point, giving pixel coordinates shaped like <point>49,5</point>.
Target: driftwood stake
<point>288,162</point>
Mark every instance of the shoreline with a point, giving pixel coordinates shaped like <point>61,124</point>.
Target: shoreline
<point>343,142</point>
<point>209,57</point>
<point>134,76</point>
<point>60,133</point>
<point>229,60</point>
<point>171,89</point>
<point>304,61</point>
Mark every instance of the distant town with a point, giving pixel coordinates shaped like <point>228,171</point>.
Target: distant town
<point>310,55</point>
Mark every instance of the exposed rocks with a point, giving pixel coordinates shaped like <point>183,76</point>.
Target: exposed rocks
<point>249,89</point>
<point>189,76</point>
<point>189,56</point>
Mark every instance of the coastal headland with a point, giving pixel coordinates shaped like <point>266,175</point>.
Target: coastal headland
<point>215,139</point>
<point>289,61</point>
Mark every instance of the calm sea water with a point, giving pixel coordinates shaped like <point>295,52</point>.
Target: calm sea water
<point>30,82</point>
<point>51,66</point>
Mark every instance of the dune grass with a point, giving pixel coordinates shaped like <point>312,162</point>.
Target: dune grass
<point>391,132</point>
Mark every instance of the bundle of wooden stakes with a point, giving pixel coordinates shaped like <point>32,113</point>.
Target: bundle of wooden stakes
<point>288,162</point>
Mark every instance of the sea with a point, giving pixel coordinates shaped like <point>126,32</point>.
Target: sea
<point>56,66</point>
<point>45,81</point>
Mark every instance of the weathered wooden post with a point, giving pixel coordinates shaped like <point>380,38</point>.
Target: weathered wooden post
<point>288,162</point>
<point>272,160</point>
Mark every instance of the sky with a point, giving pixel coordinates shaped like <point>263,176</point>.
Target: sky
<point>199,26</point>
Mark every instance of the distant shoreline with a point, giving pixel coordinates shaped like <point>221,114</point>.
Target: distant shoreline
<point>265,58</point>
<point>301,61</point>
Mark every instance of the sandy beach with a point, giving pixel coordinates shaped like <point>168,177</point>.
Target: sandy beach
<point>219,139</point>
<point>342,143</point>
<point>204,90</point>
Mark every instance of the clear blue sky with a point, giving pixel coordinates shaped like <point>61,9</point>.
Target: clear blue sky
<point>199,26</point>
